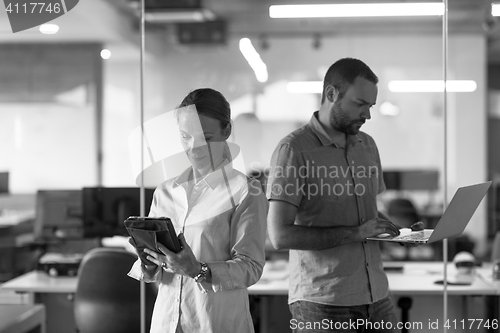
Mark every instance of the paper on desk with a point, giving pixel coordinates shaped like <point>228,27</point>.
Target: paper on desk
<point>14,217</point>
<point>118,241</point>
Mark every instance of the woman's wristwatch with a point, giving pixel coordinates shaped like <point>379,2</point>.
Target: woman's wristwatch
<point>202,275</point>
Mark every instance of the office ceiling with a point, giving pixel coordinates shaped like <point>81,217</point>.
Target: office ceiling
<point>251,18</point>
<point>113,21</point>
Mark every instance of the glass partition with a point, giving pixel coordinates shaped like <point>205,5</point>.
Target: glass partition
<point>67,109</point>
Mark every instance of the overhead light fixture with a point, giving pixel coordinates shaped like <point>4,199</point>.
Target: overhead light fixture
<point>49,29</point>
<point>305,87</point>
<point>173,11</point>
<point>105,54</point>
<point>254,60</point>
<point>432,86</point>
<point>179,16</point>
<point>316,87</point>
<point>495,9</point>
<point>357,10</point>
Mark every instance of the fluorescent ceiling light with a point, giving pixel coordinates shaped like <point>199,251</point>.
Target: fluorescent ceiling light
<point>316,87</point>
<point>432,86</point>
<point>357,10</point>
<point>495,9</point>
<point>161,13</point>
<point>49,29</point>
<point>305,87</point>
<point>178,16</point>
<point>254,60</point>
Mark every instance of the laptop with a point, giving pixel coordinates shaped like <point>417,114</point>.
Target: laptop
<point>452,223</point>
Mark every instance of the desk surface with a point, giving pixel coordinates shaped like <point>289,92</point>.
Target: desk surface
<point>41,282</point>
<point>21,318</point>
<point>419,279</point>
<point>416,278</point>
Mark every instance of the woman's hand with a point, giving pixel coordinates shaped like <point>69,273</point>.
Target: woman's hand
<point>184,262</point>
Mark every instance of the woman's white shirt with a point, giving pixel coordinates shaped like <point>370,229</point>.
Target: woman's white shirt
<point>224,222</point>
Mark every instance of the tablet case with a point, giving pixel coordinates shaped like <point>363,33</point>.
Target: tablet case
<point>147,232</point>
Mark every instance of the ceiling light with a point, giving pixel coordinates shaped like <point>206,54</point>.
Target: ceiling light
<point>254,60</point>
<point>305,87</point>
<point>495,9</point>
<point>105,54</point>
<point>357,10</point>
<point>432,86</point>
<point>49,29</point>
<point>159,11</point>
<point>179,16</point>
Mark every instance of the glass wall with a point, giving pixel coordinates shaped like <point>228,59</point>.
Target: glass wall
<point>49,108</point>
<point>67,111</point>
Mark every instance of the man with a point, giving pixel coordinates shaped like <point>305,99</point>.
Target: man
<point>322,191</point>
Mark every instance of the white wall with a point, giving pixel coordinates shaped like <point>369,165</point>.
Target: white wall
<point>47,146</point>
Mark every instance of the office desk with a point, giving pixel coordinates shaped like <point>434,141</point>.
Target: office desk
<point>416,280</point>
<point>41,282</point>
<point>22,318</point>
<point>56,293</point>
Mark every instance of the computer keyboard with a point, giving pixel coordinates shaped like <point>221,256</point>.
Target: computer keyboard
<point>416,236</point>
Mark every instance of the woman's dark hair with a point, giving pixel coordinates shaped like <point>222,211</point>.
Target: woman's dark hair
<point>344,72</point>
<point>210,103</point>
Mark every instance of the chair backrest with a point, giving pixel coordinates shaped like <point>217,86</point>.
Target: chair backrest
<point>403,212</point>
<point>106,299</point>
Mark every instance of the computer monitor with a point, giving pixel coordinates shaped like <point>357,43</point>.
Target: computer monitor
<point>392,180</point>
<point>106,208</point>
<point>4,182</point>
<point>58,214</point>
<point>411,180</point>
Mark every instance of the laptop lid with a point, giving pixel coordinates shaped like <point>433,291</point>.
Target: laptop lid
<point>454,220</point>
<point>459,211</point>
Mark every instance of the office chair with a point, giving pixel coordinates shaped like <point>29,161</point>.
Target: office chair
<point>403,212</point>
<point>106,299</point>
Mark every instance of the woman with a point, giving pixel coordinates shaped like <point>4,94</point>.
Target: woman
<point>220,215</point>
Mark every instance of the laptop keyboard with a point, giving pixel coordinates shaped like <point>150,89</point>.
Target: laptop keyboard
<point>423,235</point>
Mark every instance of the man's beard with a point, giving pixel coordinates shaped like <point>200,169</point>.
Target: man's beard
<point>341,121</point>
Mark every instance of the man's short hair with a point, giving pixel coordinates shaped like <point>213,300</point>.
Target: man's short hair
<point>344,72</point>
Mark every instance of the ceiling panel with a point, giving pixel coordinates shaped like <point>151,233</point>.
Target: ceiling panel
<point>113,21</point>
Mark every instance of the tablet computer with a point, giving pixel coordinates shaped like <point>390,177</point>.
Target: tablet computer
<point>147,232</point>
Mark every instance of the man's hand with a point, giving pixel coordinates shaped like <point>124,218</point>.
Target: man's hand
<point>377,226</point>
<point>417,226</point>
